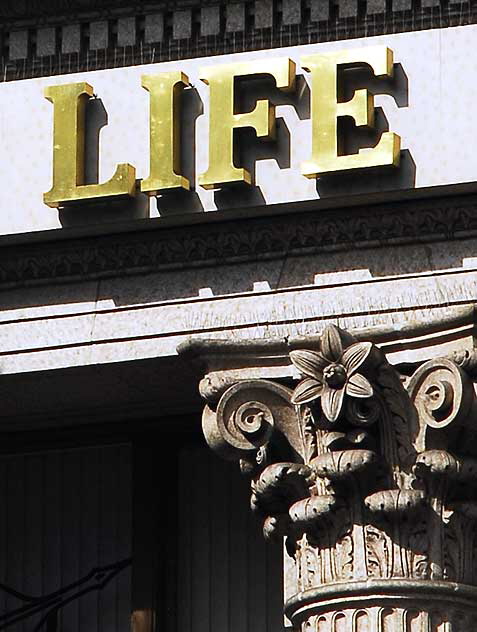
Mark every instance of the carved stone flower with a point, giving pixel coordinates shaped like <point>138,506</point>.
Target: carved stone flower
<point>332,373</point>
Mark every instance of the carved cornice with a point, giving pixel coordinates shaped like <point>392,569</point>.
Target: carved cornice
<point>246,239</point>
<point>370,476</point>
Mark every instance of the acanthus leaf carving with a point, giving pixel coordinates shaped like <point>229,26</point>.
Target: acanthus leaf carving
<point>378,552</point>
<point>280,485</point>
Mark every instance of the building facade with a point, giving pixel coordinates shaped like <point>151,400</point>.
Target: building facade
<point>246,226</point>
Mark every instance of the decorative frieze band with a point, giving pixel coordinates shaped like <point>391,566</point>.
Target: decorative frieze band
<point>63,37</point>
<point>245,239</point>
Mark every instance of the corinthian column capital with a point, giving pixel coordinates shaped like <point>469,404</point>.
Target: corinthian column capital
<point>369,473</point>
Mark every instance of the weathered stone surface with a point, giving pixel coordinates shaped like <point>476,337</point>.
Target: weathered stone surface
<point>375,6</point>
<point>126,31</point>
<point>182,24</point>
<point>18,45</point>
<point>71,38</point>
<point>98,35</point>
<point>263,14</point>
<point>348,8</point>
<point>45,42</point>
<point>210,21</point>
<point>291,11</point>
<point>154,28</point>
<point>320,10</point>
<point>235,17</point>
<point>402,5</point>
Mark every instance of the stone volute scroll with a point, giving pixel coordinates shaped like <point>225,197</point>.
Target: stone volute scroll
<point>368,474</point>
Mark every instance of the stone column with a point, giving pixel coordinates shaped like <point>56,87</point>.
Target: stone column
<point>370,477</point>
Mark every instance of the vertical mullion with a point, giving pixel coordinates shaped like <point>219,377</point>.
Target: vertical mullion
<point>219,542</point>
<point>3,530</point>
<point>148,542</point>
<point>184,545</point>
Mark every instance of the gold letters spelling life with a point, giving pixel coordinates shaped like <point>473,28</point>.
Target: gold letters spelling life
<point>165,90</point>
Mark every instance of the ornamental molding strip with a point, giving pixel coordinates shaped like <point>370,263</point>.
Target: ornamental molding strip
<point>235,240</point>
<point>369,474</point>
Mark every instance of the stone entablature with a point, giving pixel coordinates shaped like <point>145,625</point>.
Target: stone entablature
<point>367,471</point>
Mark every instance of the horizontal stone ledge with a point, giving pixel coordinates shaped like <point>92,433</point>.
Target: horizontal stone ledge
<point>225,362</point>
<point>199,348</point>
<point>381,592</point>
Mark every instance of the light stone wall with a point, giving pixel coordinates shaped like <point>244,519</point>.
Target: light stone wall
<point>419,105</point>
